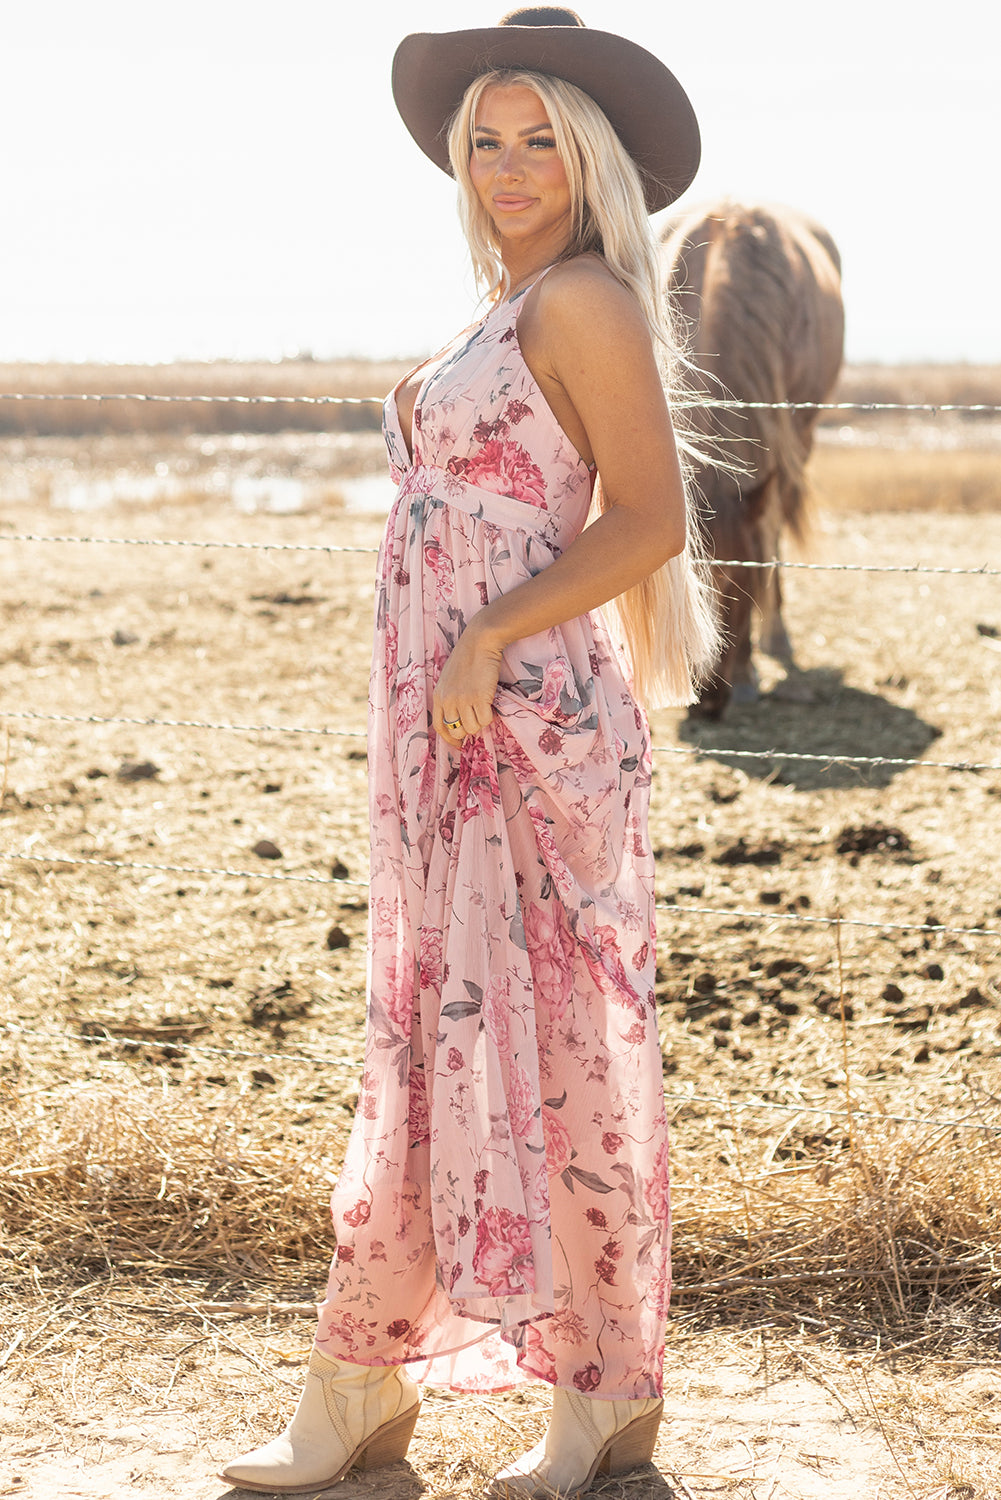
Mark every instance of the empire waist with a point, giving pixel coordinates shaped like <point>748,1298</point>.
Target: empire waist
<point>557,527</point>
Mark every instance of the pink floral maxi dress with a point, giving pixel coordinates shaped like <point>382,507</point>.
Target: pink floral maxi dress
<point>502,1213</point>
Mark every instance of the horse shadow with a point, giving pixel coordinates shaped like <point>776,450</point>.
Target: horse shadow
<point>836,722</point>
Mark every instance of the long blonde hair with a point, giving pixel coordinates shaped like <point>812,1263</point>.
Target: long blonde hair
<point>668,621</point>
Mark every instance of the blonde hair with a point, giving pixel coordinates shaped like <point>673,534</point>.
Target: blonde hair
<point>667,622</point>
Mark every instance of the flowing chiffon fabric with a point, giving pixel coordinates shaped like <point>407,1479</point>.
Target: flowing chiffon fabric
<point>502,1213</point>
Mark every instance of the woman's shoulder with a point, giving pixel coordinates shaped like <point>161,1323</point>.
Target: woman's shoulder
<point>586,276</point>
<point>583,297</point>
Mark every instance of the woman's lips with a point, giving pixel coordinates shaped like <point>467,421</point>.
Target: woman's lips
<point>511,204</point>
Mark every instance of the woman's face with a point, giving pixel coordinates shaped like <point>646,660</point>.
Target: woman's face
<point>517,172</point>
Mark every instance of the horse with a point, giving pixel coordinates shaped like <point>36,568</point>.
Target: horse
<point>759,289</point>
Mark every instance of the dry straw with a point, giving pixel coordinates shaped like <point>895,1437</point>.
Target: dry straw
<point>135,1178</point>
<point>886,1234</point>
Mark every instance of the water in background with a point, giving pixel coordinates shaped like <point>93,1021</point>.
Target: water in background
<point>277,473</point>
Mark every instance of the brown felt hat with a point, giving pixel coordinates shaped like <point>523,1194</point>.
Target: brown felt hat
<point>642,100</point>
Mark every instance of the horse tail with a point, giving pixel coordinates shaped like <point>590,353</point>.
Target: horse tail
<point>767,289</point>
<point>783,436</point>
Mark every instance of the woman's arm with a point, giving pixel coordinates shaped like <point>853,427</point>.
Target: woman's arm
<point>592,354</point>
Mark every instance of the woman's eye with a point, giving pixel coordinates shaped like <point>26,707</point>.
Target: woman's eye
<point>541,142</point>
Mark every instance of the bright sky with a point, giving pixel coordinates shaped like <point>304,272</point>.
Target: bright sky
<point>229,178</point>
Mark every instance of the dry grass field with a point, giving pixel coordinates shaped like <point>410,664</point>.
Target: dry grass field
<point>179,1038</point>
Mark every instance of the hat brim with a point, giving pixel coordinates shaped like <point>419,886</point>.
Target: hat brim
<point>641,98</point>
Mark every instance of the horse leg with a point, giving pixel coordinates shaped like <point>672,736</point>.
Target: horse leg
<point>773,637</point>
<point>734,605</point>
<point>740,670</point>
<point>744,680</point>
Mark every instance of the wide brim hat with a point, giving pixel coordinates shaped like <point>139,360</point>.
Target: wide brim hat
<point>641,98</point>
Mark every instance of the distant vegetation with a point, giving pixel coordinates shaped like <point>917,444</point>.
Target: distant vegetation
<point>941,384</point>
<point>355,378</point>
<point>910,461</point>
<point>864,461</point>
<point>861,478</point>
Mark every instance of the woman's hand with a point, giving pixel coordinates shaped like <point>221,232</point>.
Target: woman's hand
<point>463,702</point>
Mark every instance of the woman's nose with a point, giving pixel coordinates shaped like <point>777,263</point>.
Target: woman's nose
<point>508,166</point>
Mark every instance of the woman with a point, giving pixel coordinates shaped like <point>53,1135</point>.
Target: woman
<point>503,1209</point>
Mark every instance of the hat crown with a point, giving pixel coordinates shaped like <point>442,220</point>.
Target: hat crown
<point>641,99</point>
<point>541,15</point>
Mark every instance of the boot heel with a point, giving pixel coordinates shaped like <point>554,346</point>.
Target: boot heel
<point>634,1445</point>
<point>390,1443</point>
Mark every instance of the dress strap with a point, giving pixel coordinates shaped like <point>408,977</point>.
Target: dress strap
<point>525,289</point>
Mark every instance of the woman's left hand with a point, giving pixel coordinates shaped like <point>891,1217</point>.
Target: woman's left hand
<point>463,702</point>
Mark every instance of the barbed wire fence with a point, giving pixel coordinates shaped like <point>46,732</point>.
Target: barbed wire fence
<point>984,571</point>
<point>51,858</point>
<point>98,1035</point>
<point>975,408</point>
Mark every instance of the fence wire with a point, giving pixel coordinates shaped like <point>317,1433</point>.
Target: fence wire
<point>325,731</point>
<point>928,929</point>
<point>160,541</point>
<point>727,1106</point>
<point>104,1037</point>
<point>984,570</point>
<point>717,403</point>
<point>49,858</point>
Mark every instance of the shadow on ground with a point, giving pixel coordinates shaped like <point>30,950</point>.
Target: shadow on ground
<point>645,1483</point>
<point>392,1482</point>
<point>839,721</point>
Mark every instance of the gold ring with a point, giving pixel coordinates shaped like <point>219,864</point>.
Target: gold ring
<point>452,723</point>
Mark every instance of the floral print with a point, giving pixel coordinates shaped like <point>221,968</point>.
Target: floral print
<point>504,469</point>
<point>502,1259</point>
<point>502,1213</point>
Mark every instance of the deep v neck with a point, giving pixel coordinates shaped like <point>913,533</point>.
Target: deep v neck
<point>434,361</point>
<point>393,400</point>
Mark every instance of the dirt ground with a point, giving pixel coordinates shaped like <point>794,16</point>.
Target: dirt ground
<point>130,1367</point>
<point>740,1420</point>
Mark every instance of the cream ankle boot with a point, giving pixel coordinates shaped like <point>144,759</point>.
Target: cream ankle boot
<point>347,1415</point>
<point>586,1436</point>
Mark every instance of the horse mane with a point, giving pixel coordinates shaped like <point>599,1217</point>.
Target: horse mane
<point>760,291</point>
